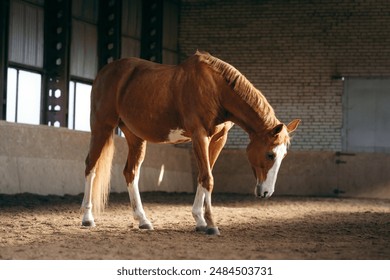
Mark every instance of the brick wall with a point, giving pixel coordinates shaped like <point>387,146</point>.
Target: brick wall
<point>290,50</point>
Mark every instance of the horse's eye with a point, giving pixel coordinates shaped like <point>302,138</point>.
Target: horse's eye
<point>271,156</point>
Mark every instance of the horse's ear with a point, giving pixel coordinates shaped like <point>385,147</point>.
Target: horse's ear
<point>293,125</point>
<point>277,129</point>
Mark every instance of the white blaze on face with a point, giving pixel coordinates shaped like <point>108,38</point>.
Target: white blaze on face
<point>266,188</point>
<point>176,136</point>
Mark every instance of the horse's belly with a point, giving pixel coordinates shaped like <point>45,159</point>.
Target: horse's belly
<point>156,132</point>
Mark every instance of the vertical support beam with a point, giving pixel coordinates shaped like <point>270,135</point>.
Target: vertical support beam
<point>4,24</point>
<point>56,62</point>
<point>109,31</point>
<point>151,34</point>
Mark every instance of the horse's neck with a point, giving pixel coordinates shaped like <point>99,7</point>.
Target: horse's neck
<point>247,117</point>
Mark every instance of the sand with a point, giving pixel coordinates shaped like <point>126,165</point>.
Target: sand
<point>49,227</point>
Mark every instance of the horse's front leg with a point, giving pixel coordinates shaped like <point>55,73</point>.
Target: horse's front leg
<point>197,209</point>
<point>204,220</point>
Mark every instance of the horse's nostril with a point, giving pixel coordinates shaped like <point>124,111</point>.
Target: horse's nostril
<point>265,194</point>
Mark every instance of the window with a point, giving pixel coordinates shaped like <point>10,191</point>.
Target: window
<point>79,106</point>
<point>25,55</point>
<point>23,96</point>
<point>83,53</point>
<point>83,62</point>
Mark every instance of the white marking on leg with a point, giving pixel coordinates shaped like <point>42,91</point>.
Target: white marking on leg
<point>88,219</point>
<point>176,136</point>
<point>197,208</point>
<point>136,203</point>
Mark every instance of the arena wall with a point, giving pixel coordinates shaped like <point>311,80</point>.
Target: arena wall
<point>311,173</point>
<point>46,160</point>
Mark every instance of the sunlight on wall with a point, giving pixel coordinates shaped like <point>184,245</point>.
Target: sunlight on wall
<point>11,95</point>
<point>161,176</point>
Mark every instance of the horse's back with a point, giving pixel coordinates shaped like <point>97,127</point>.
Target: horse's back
<point>134,70</point>
<point>128,76</point>
<point>123,69</point>
<point>165,97</point>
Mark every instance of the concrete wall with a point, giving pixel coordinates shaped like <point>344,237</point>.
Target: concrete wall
<point>46,160</point>
<point>307,173</point>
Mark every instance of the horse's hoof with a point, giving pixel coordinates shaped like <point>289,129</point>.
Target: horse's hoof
<point>201,229</point>
<point>88,223</point>
<point>146,226</point>
<point>212,231</point>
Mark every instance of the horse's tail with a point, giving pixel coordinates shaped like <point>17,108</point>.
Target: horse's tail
<point>101,183</point>
<point>104,119</point>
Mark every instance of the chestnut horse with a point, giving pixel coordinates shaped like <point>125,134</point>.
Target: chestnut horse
<point>198,101</point>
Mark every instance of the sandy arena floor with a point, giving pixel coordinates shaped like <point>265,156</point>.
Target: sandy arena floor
<point>48,227</point>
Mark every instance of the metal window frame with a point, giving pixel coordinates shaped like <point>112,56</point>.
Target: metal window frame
<point>57,18</point>
<point>4,24</point>
<point>109,31</point>
<point>151,30</point>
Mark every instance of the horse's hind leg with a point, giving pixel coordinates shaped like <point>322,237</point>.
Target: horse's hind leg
<point>88,220</point>
<point>137,149</point>
<point>100,138</point>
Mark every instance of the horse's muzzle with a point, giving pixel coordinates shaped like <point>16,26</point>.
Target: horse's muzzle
<point>262,192</point>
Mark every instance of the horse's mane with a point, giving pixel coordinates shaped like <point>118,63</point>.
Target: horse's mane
<point>252,96</point>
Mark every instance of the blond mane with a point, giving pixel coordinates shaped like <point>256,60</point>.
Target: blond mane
<point>244,88</point>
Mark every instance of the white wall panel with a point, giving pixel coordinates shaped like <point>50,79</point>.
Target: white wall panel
<point>83,50</point>
<point>26,34</point>
<point>131,18</point>
<point>367,115</point>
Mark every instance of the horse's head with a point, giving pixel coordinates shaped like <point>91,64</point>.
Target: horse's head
<point>265,154</point>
